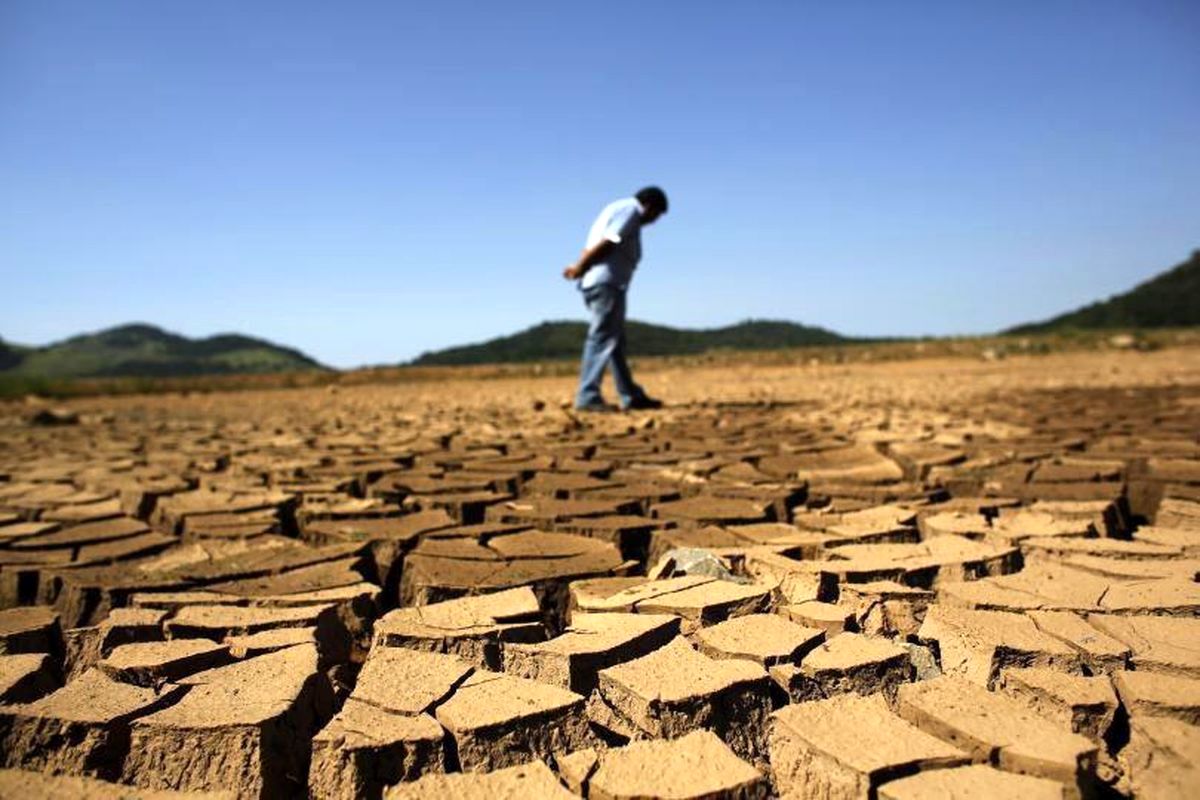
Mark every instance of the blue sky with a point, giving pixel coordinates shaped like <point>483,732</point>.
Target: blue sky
<point>367,181</point>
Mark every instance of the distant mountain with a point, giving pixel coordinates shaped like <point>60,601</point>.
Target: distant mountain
<point>10,354</point>
<point>147,351</point>
<point>1169,300</point>
<point>551,341</point>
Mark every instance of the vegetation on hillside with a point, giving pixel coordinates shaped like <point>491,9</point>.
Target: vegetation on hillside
<point>147,351</point>
<point>10,355</point>
<point>1168,300</point>
<point>553,341</point>
<point>1162,312</point>
<point>817,356</point>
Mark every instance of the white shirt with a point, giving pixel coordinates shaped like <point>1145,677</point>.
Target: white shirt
<point>620,223</point>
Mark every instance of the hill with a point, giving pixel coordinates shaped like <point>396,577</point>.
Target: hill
<point>551,341</point>
<point>140,350</point>
<point>1169,300</point>
<point>10,354</point>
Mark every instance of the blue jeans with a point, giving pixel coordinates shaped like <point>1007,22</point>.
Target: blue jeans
<point>605,346</point>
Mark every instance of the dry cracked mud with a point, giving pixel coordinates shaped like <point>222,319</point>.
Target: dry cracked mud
<point>931,578</point>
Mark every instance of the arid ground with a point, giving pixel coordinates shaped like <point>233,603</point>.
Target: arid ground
<point>944,577</point>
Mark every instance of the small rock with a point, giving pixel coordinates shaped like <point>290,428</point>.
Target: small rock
<point>53,417</point>
<point>1122,341</point>
<point>693,561</point>
<point>924,663</point>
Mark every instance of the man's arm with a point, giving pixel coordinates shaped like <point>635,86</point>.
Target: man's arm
<point>590,257</point>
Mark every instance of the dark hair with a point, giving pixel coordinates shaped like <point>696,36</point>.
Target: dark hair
<point>653,197</point>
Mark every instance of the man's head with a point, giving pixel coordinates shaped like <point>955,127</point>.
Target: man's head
<point>654,201</point>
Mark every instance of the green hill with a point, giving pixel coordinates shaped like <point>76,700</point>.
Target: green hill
<point>1169,300</point>
<point>10,354</point>
<point>146,351</point>
<point>551,341</point>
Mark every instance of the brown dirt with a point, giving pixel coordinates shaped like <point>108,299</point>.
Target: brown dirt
<point>454,588</point>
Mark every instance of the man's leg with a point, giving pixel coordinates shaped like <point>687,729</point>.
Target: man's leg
<point>627,388</point>
<point>599,345</point>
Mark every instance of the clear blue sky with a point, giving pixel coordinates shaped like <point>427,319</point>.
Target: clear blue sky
<point>367,181</point>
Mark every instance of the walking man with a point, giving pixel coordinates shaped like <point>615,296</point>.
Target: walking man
<point>614,248</point>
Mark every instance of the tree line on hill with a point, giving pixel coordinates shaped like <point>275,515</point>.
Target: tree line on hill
<point>1170,299</point>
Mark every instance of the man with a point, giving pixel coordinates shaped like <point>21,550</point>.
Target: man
<point>614,247</point>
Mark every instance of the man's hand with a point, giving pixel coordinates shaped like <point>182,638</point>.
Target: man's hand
<point>590,256</point>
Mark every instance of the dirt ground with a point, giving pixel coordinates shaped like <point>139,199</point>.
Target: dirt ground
<point>952,577</point>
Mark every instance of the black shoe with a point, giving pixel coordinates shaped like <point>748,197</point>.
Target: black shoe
<point>599,407</point>
<point>644,403</point>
